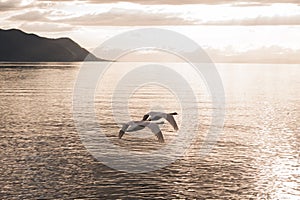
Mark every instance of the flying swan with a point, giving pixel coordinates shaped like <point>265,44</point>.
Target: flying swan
<point>153,116</point>
<point>139,125</point>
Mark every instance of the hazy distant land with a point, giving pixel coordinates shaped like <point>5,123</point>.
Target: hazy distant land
<point>18,46</point>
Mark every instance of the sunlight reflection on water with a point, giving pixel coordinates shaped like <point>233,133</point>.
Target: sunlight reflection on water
<point>257,155</point>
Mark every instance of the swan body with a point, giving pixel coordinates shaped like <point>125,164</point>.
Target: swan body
<point>139,125</point>
<point>154,116</point>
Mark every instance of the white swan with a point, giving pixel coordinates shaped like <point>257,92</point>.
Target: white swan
<point>152,116</point>
<point>139,125</point>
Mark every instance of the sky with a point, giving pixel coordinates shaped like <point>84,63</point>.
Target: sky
<point>225,28</point>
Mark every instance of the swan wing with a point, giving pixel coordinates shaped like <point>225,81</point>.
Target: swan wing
<point>135,126</point>
<point>123,130</point>
<point>172,121</point>
<point>156,130</point>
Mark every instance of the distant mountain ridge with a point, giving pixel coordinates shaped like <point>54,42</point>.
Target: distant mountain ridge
<point>18,46</point>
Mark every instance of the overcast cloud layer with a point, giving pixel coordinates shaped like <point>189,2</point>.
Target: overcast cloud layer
<point>123,17</point>
<point>177,2</point>
<point>82,19</point>
<point>140,15</point>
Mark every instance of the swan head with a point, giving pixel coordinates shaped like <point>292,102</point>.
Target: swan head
<point>174,113</point>
<point>121,133</point>
<point>145,118</point>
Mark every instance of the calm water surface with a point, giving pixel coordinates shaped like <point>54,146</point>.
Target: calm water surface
<point>256,156</point>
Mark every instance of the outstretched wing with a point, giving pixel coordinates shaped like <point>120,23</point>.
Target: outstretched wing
<point>156,130</point>
<point>172,121</point>
<point>123,130</point>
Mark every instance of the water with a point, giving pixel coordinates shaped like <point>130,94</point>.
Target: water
<point>256,156</point>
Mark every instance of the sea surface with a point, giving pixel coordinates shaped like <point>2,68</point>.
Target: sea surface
<point>43,156</point>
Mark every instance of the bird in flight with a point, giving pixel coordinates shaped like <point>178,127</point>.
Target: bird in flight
<point>153,116</point>
<point>150,120</point>
<point>139,125</point>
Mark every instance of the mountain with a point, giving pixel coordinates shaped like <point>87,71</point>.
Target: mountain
<point>18,46</point>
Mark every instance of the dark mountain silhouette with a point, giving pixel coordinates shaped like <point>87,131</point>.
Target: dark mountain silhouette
<point>17,46</point>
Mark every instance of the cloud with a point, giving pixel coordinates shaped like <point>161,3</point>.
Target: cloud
<point>21,5</point>
<point>41,15</point>
<point>266,54</point>
<point>45,27</point>
<point>261,20</point>
<point>113,17</point>
<point>150,2</point>
<point>209,2</point>
<point>134,17</point>
<point>126,17</point>
<point>10,5</point>
<point>176,2</point>
<point>144,16</point>
<point>30,16</point>
<point>249,4</point>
